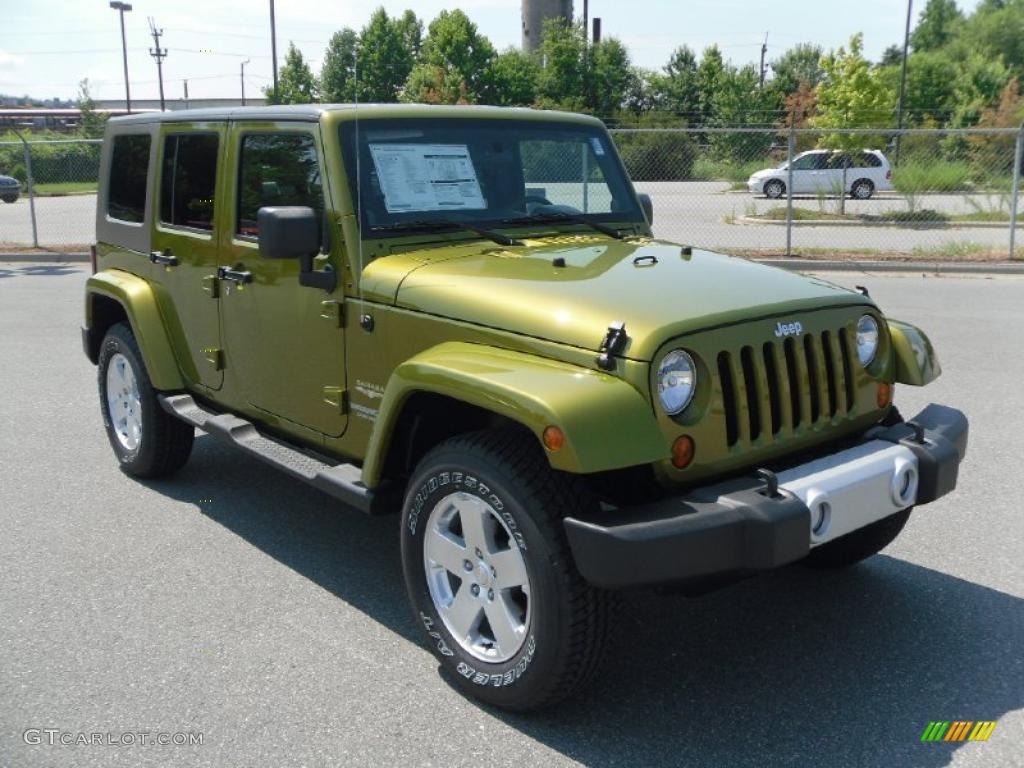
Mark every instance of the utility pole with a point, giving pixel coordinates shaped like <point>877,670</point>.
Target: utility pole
<point>273,45</point>
<point>121,8</point>
<point>903,84</point>
<point>159,54</point>
<point>243,81</point>
<point>185,82</point>
<point>764,50</point>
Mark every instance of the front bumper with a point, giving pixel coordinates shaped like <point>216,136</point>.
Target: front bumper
<point>738,527</point>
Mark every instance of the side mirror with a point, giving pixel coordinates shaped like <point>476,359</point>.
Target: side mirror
<point>293,232</point>
<point>647,205</point>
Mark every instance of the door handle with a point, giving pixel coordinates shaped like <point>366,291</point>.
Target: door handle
<point>239,276</point>
<point>164,257</point>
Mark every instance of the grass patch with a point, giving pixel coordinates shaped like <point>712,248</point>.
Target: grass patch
<point>707,169</point>
<point>61,188</point>
<point>914,177</point>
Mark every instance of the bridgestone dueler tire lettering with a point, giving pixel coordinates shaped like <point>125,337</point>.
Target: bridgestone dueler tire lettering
<point>166,442</point>
<point>570,620</point>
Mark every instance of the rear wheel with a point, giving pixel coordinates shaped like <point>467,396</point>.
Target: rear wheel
<point>9,198</point>
<point>490,575</point>
<point>147,440</point>
<point>860,544</point>
<point>774,189</point>
<point>862,189</point>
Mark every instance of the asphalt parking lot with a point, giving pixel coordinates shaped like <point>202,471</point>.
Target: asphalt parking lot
<point>234,602</point>
<point>698,213</point>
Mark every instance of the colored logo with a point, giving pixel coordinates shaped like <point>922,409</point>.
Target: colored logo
<point>958,730</point>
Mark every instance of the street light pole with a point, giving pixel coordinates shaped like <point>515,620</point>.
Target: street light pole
<point>243,81</point>
<point>273,45</point>
<point>121,8</point>
<point>903,83</point>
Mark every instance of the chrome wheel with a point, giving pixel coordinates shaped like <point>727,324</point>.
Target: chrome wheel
<point>123,403</point>
<point>477,577</point>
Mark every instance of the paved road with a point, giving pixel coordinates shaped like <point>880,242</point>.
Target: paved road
<point>237,603</point>
<point>692,212</point>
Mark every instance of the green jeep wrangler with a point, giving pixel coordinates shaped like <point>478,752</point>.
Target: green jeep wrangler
<point>461,313</point>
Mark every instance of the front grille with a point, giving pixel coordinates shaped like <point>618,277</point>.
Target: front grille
<point>801,382</point>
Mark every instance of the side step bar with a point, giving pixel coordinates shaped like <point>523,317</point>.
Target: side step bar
<point>342,481</point>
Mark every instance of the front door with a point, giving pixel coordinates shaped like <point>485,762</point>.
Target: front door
<point>284,341</point>
<point>185,239</point>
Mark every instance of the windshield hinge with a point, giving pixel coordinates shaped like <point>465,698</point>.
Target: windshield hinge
<point>614,344</point>
<point>333,312</point>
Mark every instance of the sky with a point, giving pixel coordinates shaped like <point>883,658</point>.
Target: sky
<point>48,46</point>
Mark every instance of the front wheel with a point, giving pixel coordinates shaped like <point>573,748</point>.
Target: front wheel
<point>147,440</point>
<point>774,189</point>
<point>860,544</point>
<point>9,198</point>
<point>490,575</point>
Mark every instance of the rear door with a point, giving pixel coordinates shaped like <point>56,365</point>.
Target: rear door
<point>185,243</point>
<point>804,169</point>
<point>285,342</point>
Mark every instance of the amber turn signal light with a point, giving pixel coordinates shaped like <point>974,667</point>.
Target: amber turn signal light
<point>554,438</point>
<point>682,452</point>
<point>884,394</point>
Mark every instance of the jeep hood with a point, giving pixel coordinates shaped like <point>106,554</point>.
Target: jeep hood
<point>656,289</point>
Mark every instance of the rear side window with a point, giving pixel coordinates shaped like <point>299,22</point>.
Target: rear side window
<point>126,187</point>
<point>866,160</point>
<point>276,169</point>
<point>188,180</point>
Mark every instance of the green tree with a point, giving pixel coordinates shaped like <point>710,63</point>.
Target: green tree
<point>93,122</point>
<point>562,81</point>
<point>979,83</point>
<point>296,83</point>
<point>938,23</point>
<point>680,86</point>
<point>455,63</point>
<point>852,95</point>
<point>609,76</point>
<point>931,81</point>
<point>709,78</point>
<point>386,55</point>
<point>338,75</point>
<point>799,64</point>
<point>997,30</point>
<point>739,101</point>
<point>514,76</point>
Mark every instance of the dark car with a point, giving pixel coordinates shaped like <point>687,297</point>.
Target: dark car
<point>10,189</point>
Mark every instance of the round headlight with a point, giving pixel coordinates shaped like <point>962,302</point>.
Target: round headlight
<point>867,339</point>
<point>677,381</point>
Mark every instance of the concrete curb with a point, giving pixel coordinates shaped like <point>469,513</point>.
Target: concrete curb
<point>929,267</point>
<point>878,224</point>
<point>801,265</point>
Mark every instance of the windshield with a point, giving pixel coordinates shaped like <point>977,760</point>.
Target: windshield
<point>417,174</point>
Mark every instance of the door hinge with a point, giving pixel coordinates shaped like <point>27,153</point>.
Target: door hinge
<point>215,357</point>
<point>210,286</point>
<point>336,397</point>
<point>333,312</point>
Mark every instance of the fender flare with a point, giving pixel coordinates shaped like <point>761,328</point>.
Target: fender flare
<point>916,361</point>
<point>607,423</point>
<point>136,297</point>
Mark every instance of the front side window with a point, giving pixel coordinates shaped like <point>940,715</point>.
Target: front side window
<point>808,162</point>
<point>276,169</point>
<point>422,174</point>
<point>189,180</point>
<point>126,187</point>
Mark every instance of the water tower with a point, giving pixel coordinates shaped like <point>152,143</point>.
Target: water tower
<point>535,13</point>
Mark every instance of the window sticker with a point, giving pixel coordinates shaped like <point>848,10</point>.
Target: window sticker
<point>597,145</point>
<point>427,177</point>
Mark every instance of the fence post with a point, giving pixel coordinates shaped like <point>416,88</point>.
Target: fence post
<point>791,151</point>
<point>31,187</point>
<point>1018,157</point>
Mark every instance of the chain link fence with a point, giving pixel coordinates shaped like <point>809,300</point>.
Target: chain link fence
<point>926,194</point>
<point>880,194</point>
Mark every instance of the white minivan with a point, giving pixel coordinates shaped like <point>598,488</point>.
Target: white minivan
<point>821,171</point>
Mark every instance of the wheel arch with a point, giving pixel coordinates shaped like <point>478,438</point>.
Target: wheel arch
<point>916,361</point>
<point>456,387</point>
<point>113,296</point>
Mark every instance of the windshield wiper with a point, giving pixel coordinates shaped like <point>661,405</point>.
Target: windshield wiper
<point>428,225</point>
<point>556,216</point>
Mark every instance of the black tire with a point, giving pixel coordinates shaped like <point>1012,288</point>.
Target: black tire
<point>9,198</point>
<point>853,547</point>
<point>774,189</point>
<point>569,620</point>
<point>862,189</point>
<point>165,442</point>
